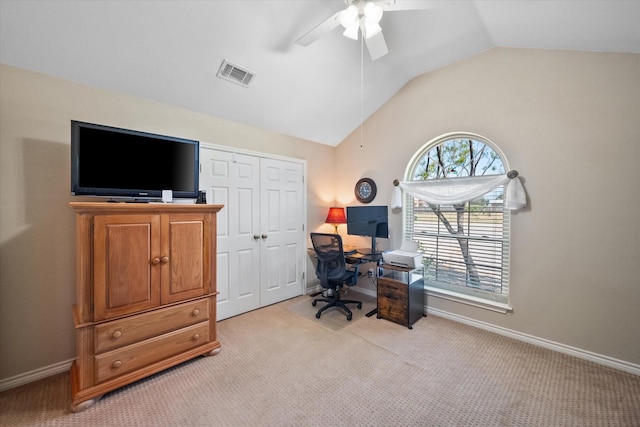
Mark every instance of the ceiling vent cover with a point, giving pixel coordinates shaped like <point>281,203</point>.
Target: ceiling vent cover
<point>235,74</point>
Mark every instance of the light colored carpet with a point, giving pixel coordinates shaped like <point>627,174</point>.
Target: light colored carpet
<point>280,367</point>
<point>333,318</point>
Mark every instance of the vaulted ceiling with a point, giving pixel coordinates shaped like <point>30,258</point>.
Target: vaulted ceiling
<point>171,51</point>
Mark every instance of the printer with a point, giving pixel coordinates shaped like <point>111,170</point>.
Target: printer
<point>407,256</point>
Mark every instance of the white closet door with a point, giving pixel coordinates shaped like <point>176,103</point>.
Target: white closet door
<point>282,225</point>
<point>232,179</point>
<point>260,230</point>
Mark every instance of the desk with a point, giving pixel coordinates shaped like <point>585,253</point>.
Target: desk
<point>400,290</point>
<point>359,258</point>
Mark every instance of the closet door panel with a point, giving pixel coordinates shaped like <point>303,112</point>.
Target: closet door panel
<point>282,215</point>
<point>232,179</point>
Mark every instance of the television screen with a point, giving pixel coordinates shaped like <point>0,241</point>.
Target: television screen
<point>113,162</point>
<point>370,221</point>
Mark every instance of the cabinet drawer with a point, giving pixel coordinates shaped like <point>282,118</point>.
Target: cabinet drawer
<point>119,333</point>
<point>392,288</point>
<point>129,358</point>
<point>392,301</point>
<point>393,310</point>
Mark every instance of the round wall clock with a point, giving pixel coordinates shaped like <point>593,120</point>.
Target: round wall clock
<point>365,190</point>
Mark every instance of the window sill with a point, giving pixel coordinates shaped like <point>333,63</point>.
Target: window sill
<point>498,307</point>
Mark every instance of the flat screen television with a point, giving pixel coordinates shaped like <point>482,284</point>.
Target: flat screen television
<point>369,221</point>
<point>121,163</point>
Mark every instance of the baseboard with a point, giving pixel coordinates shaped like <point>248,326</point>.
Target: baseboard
<point>35,375</point>
<point>600,359</point>
<point>369,292</point>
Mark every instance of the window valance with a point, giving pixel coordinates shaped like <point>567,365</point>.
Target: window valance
<point>451,191</point>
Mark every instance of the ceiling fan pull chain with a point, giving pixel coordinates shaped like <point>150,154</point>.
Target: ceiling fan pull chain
<point>361,89</point>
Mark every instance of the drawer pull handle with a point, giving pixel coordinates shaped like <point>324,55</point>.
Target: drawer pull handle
<point>195,312</point>
<point>164,259</point>
<point>196,337</point>
<point>117,334</point>
<point>116,364</point>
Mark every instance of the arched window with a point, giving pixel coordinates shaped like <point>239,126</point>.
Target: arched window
<point>465,245</point>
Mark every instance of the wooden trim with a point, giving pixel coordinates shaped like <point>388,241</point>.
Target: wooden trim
<point>105,208</point>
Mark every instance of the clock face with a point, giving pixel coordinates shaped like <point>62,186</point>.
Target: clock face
<point>365,190</point>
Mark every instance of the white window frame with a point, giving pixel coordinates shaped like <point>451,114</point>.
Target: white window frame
<point>469,297</point>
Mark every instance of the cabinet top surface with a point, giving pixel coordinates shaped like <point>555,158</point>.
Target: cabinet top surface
<point>122,207</point>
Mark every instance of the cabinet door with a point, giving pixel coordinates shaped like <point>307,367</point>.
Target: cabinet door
<point>186,260</point>
<point>126,251</point>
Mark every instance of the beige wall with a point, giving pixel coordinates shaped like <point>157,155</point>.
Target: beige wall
<point>569,122</point>
<point>37,263</point>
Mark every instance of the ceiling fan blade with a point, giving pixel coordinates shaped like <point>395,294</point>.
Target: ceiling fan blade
<point>319,30</point>
<point>377,46</point>
<point>394,5</point>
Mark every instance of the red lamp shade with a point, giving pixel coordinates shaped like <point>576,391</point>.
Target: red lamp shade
<point>336,216</point>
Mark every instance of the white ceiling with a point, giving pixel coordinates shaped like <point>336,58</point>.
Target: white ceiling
<point>170,51</point>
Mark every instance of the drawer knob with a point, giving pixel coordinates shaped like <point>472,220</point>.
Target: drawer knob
<point>195,312</point>
<point>117,334</point>
<point>196,337</point>
<point>155,261</point>
<point>164,259</point>
<point>116,364</point>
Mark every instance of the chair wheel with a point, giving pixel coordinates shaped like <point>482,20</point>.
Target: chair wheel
<point>317,315</point>
<point>348,317</point>
<point>314,303</point>
<point>360,306</point>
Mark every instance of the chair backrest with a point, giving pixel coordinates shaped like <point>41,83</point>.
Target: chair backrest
<point>331,263</point>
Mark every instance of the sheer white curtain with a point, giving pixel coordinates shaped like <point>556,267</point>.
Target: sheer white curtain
<point>452,191</point>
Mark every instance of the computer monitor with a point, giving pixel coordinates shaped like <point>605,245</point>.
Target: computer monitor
<point>369,221</point>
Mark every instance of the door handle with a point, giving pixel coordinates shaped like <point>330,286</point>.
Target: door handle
<point>256,236</point>
<point>264,236</point>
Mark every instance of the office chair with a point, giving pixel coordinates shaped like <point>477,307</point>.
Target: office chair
<point>332,272</point>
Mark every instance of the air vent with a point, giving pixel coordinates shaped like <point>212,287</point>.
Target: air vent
<point>235,74</point>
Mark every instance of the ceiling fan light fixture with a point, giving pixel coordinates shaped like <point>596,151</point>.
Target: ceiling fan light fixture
<point>371,30</point>
<point>372,13</point>
<point>352,31</point>
<point>372,17</point>
<point>348,17</point>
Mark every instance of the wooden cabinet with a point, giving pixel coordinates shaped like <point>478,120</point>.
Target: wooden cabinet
<point>145,292</point>
<point>401,295</point>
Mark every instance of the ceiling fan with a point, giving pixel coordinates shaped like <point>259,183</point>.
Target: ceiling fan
<point>363,16</point>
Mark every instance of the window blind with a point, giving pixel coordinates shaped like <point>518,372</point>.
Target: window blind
<point>470,256</point>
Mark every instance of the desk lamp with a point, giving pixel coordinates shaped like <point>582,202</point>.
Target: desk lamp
<point>336,217</point>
